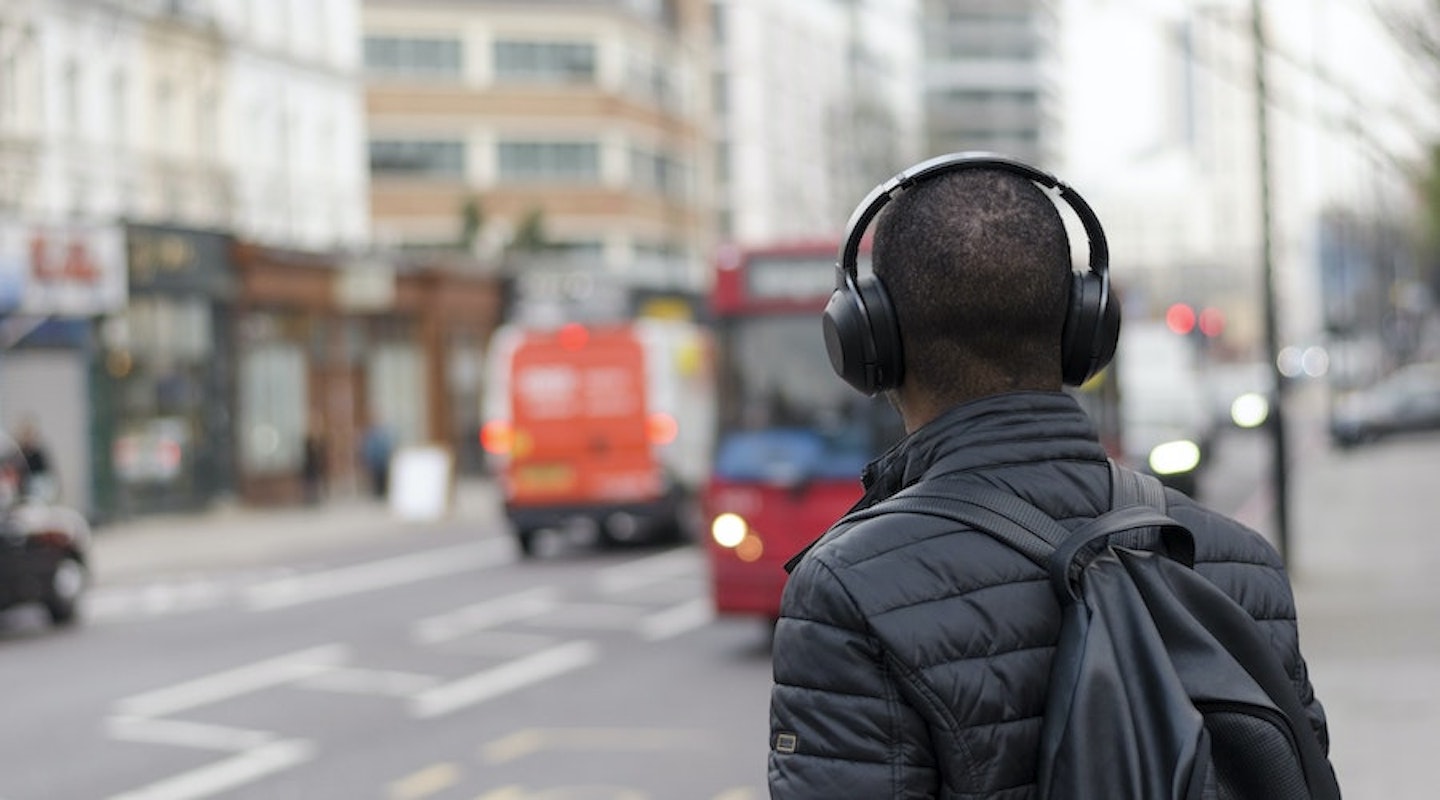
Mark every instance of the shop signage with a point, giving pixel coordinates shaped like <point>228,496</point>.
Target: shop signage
<point>365,285</point>
<point>66,270</point>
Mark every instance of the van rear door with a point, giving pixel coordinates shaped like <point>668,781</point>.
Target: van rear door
<point>579,413</point>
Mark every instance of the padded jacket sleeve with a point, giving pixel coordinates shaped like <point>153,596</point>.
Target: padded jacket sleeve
<point>839,726</point>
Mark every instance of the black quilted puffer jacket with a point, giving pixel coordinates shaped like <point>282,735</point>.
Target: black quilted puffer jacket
<point>911,655</point>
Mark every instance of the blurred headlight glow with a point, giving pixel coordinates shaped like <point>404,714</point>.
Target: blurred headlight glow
<point>750,549</point>
<point>1250,410</point>
<point>1173,458</point>
<point>729,529</point>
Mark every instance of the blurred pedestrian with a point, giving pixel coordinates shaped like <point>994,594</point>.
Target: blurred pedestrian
<point>913,654</point>
<point>376,448</point>
<point>38,479</point>
<point>312,467</point>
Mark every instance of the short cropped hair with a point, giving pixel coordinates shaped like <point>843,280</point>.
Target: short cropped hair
<point>977,264</point>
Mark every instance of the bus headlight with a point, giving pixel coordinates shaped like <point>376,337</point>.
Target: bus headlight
<point>729,529</point>
<point>1174,458</point>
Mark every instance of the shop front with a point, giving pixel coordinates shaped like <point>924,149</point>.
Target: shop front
<point>332,350</point>
<point>165,378</point>
<point>56,280</point>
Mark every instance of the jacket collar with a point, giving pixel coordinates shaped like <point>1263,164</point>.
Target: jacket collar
<point>998,429</point>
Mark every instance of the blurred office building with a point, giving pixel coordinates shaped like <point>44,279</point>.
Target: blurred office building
<point>992,77</point>
<point>569,140</point>
<point>816,102</point>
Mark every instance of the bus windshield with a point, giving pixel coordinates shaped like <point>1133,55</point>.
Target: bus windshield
<point>784,416</point>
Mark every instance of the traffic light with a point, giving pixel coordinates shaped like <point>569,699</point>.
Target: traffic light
<point>1180,318</point>
<point>1212,322</point>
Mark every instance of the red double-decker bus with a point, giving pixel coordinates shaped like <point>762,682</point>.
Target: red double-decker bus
<point>792,438</point>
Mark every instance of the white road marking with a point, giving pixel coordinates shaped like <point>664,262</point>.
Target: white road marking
<point>677,620</point>
<point>374,575</point>
<point>499,645</point>
<point>223,776</point>
<point>645,571</point>
<point>496,611</point>
<point>589,616</point>
<point>508,677</point>
<point>234,682</point>
<point>175,595</point>
<point>350,680</point>
<point>182,733</point>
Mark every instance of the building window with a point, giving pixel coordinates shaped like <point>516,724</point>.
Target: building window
<point>9,87</point>
<point>720,93</point>
<point>164,108</point>
<point>71,84</point>
<point>207,126</point>
<point>656,172</point>
<point>119,108</point>
<point>985,36</point>
<point>417,157</point>
<point>586,250</point>
<point>546,62</point>
<point>390,55</point>
<point>718,30</point>
<point>550,161</point>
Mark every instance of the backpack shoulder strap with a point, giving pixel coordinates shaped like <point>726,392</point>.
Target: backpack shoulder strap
<point>1138,505</point>
<point>1003,516</point>
<point>1129,487</point>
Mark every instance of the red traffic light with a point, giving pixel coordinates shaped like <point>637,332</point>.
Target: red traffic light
<point>1180,318</point>
<point>1212,322</point>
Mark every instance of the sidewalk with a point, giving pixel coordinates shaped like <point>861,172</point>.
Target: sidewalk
<point>240,536</point>
<point>1364,557</point>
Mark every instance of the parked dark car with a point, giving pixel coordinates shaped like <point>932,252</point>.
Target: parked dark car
<point>44,546</point>
<point>1406,400</point>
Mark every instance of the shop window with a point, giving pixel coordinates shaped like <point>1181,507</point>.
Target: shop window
<point>395,379</point>
<point>273,408</point>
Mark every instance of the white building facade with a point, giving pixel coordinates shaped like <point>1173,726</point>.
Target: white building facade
<point>136,138</point>
<point>816,101</point>
<point>242,116</point>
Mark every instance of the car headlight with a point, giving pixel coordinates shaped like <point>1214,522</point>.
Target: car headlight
<point>1250,410</point>
<point>1174,458</point>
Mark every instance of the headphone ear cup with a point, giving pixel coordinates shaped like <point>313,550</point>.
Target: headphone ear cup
<point>1092,329</point>
<point>862,336</point>
<point>845,332</point>
<point>889,364</point>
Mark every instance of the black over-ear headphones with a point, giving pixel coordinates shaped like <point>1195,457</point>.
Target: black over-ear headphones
<point>862,332</point>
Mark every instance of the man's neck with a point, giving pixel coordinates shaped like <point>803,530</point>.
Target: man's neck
<point>918,408</point>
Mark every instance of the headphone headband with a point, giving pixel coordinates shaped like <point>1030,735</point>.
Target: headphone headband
<point>869,208</point>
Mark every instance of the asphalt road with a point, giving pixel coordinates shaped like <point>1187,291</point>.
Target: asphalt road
<point>445,669</point>
<point>433,666</point>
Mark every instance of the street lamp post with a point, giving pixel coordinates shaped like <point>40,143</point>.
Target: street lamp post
<point>1279,472</point>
